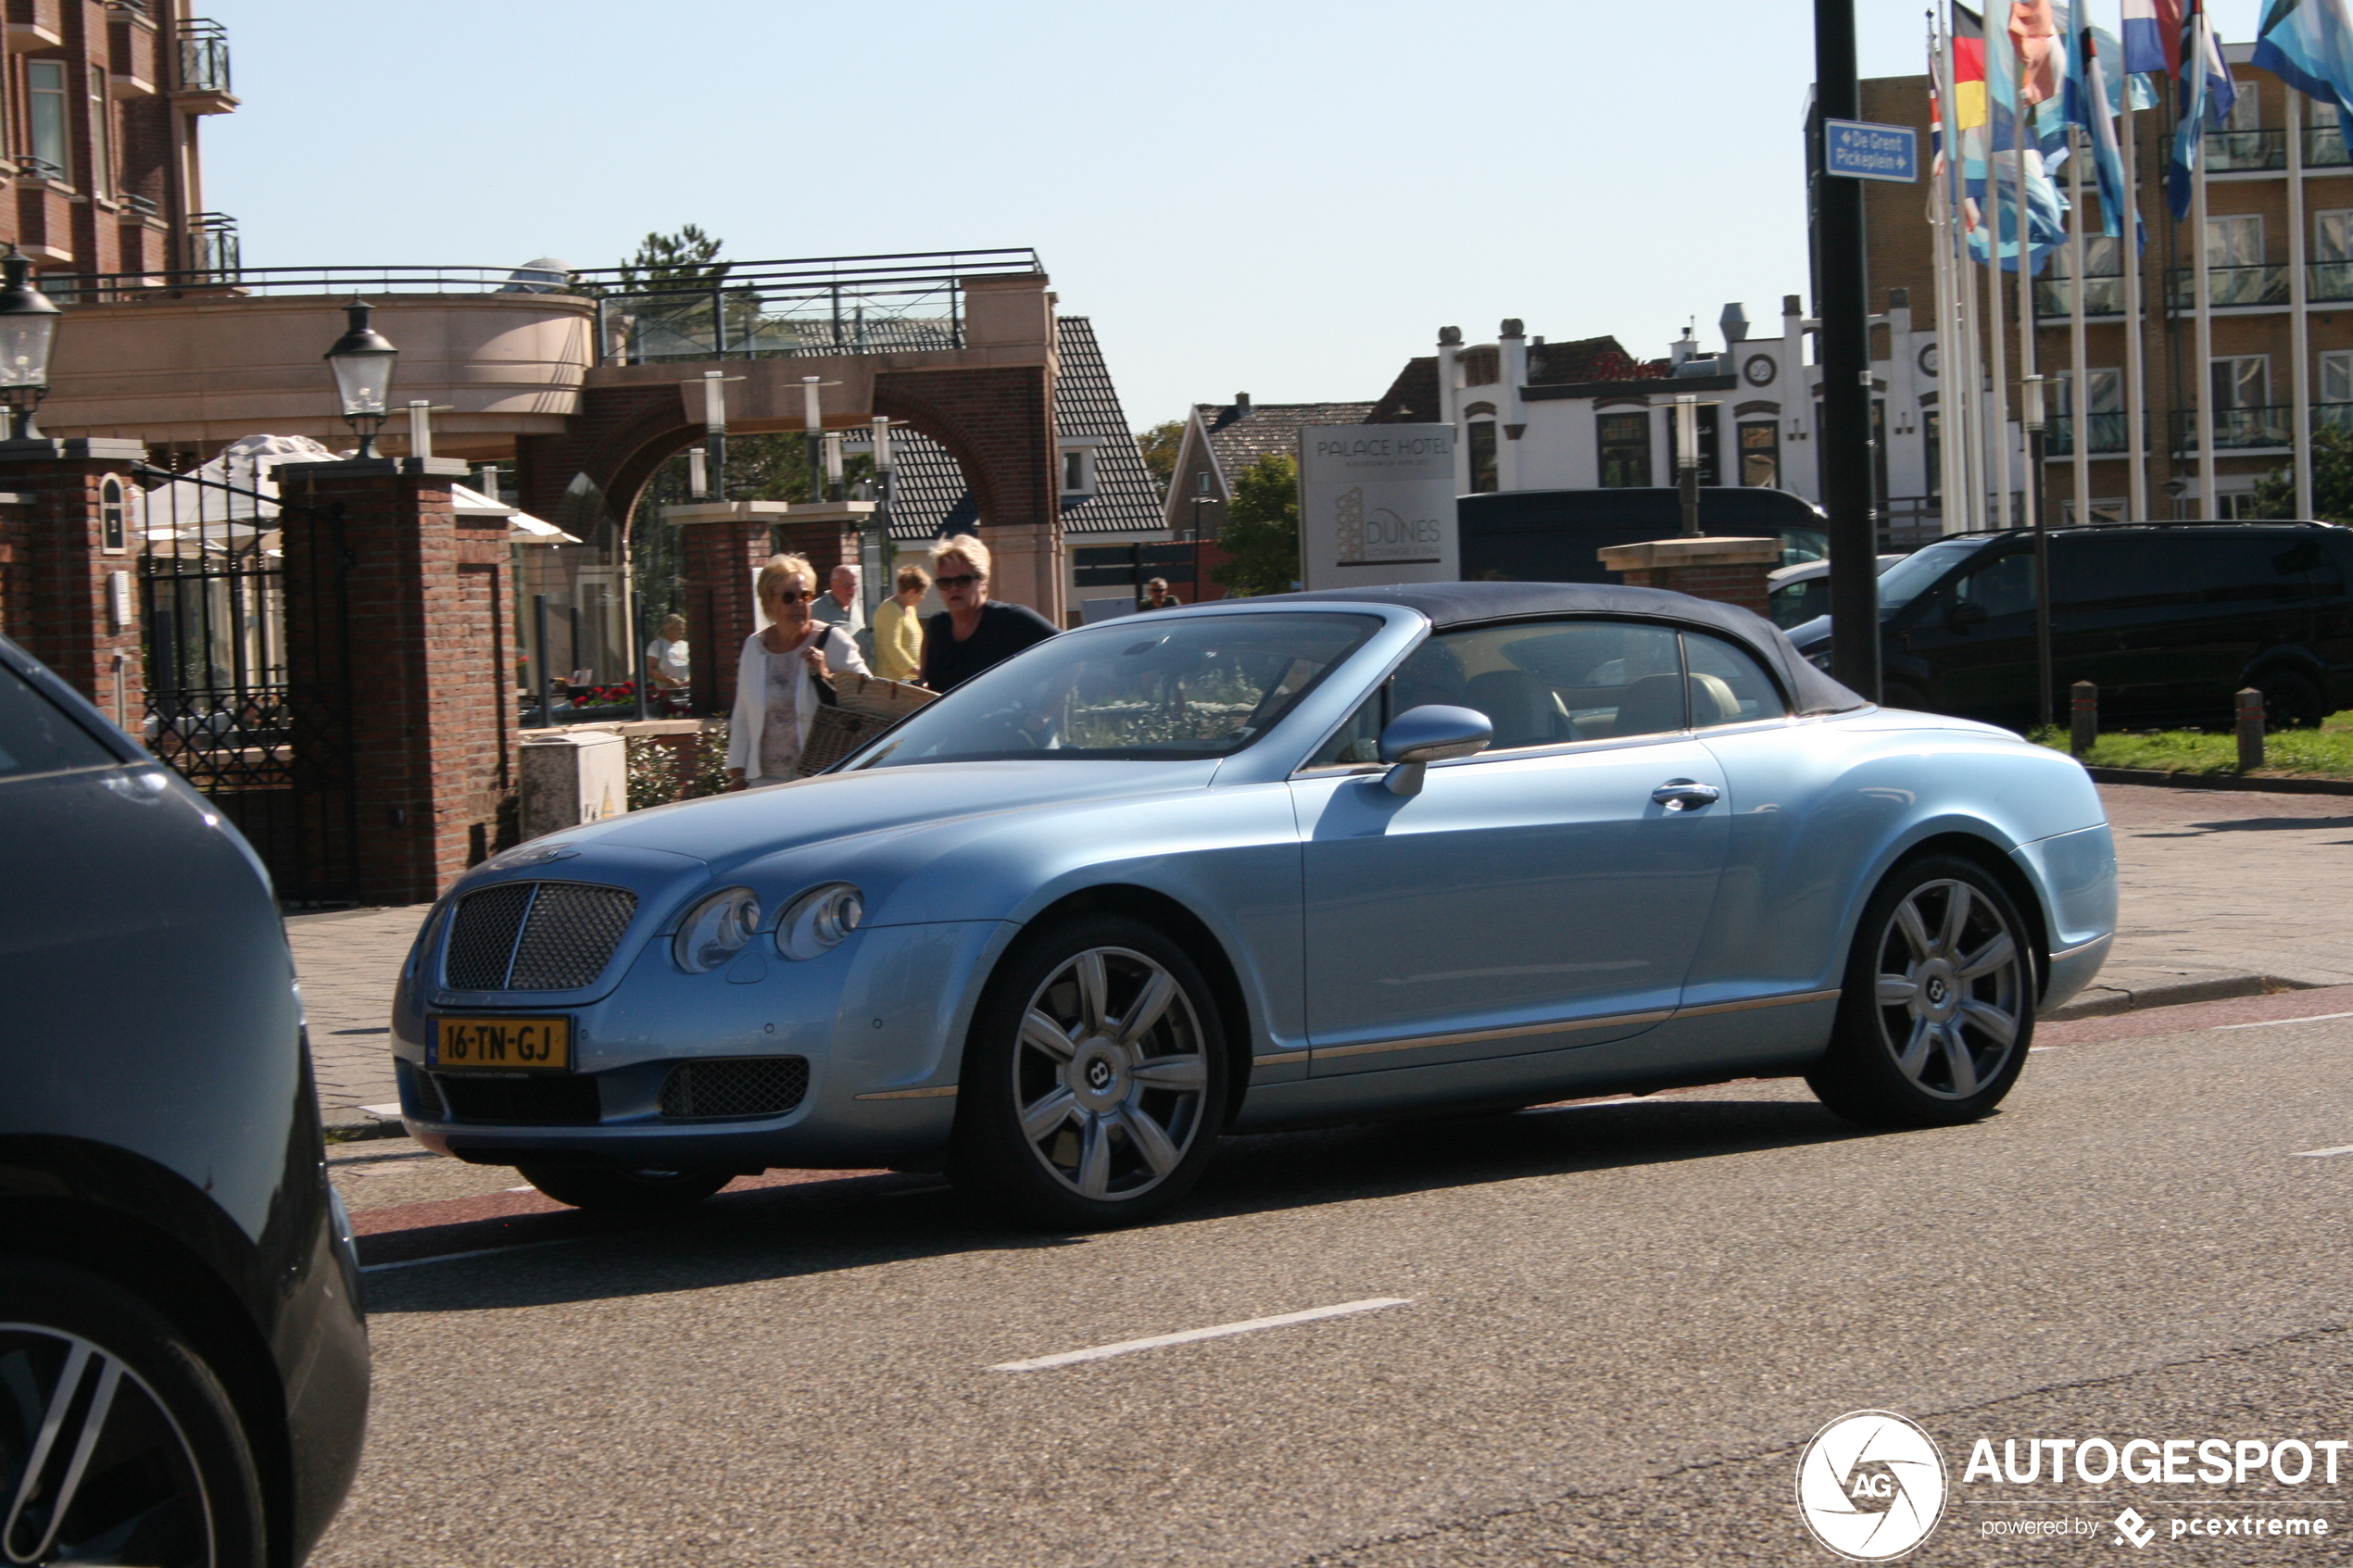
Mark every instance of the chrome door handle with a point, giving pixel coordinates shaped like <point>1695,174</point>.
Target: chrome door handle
<point>1682,795</point>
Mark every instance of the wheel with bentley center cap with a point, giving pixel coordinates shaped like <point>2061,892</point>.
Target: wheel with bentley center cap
<point>1094,1082</point>
<point>1937,1013</point>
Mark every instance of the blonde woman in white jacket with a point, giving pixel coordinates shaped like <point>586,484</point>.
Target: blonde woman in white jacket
<point>786,676</point>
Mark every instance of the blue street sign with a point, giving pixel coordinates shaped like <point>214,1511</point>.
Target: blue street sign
<point>1862,151</point>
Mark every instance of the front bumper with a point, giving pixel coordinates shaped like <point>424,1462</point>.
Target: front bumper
<point>879,1021</point>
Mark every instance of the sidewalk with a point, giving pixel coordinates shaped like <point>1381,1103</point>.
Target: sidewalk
<point>2225,893</point>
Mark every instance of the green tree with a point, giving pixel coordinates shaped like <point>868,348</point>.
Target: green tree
<point>1159,446</point>
<point>1261,536</point>
<point>687,259</point>
<point>2332,482</point>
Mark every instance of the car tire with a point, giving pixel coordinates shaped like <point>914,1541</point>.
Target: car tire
<point>1937,1013</point>
<point>1094,1080</point>
<point>171,1478</point>
<point>2290,701</point>
<point>610,1187</point>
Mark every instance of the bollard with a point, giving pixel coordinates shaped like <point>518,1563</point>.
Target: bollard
<point>2084,707</point>
<point>2250,715</point>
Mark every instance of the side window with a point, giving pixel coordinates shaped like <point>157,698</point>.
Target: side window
<point>2002,587</point>
<point>1727,685</point>
<point>37,737</point>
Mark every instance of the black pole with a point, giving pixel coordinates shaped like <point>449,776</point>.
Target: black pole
<point>1841,303</point>
<point>539,657</point>
<point>645,666</point>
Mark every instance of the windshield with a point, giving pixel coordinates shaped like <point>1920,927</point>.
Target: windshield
<point>1919,572</point>
<point>1142,688</point>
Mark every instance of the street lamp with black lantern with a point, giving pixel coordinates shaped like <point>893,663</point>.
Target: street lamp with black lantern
<point>27,333</point>
<point>362,359</point>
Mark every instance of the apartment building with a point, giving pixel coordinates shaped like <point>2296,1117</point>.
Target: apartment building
<point>101,103</point>
<point>2254,203</point>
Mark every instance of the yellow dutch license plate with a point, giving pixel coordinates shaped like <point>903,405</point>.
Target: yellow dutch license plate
<point>502,1045</point>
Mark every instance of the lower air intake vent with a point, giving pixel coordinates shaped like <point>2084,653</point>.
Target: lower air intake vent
<point>743,1086</point>
<point>570,1100</point>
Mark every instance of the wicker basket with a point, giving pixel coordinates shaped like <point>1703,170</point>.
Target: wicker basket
<point>864,706</point>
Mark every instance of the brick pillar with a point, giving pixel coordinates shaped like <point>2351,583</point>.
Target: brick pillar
<point>1026,566</point>
<point>1731,571</point>
<point>426,602</point>
<point>825,532</point>
<point>65,533</point>
<point>724,543</point>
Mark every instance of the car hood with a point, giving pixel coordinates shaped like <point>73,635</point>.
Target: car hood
<point>729,829</point>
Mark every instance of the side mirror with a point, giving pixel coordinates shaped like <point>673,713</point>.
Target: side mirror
<point>1431,733</point>
<point>1965,616</point>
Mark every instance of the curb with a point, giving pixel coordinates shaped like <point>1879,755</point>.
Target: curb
<point>2109,1001</point>
<point>352,1123</point>
<point>2254,783</point>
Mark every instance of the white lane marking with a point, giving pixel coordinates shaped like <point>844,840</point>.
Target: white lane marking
<point>2275,1023</point>
<point>477,1252</point>
<point>1129,1346</point>
<point>383,1112</point>
<point>2032,1049</point>
<point>2321,1153</point>
<point>525,1187</point>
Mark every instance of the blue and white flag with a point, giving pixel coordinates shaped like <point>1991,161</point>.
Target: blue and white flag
<point>2206,97</point>
<point>2308,45</point>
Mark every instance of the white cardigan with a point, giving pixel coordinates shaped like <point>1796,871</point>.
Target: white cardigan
<point>752,693</point>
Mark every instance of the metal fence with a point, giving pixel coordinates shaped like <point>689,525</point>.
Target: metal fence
<point>249,704</point>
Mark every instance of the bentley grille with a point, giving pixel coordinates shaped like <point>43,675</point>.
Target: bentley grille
<point>536,936</point>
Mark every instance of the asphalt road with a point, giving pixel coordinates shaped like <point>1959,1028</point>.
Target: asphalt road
<point>1617,1324</point>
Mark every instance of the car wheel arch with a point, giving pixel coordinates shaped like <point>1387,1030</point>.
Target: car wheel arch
<point>1191,933</point>
<point>181,1289</point>
<point>1990,857</point>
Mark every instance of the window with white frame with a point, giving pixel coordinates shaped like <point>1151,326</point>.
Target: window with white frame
<point>2333,236</point>
<point>101,134</point>
<point>2103,408</point>
<point>2336,377</point>
<point>2246,110</point>
<point>2242,381</point>
<point>2234,241</point>
<point>1078,471</point>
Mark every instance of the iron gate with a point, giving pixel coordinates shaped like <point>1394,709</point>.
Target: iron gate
<point>249,694</point>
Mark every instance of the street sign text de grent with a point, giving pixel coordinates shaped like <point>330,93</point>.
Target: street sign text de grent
<point>1863,151</point>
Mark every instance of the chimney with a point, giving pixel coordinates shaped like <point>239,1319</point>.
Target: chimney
<point>1512,328</point>
<point>1793,306</point>
<point>1899,299</point>
<point>1241,402</point>
<point>1734,322</point>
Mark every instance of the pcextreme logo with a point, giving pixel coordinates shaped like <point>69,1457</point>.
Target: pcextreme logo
<point>1870,1485</point>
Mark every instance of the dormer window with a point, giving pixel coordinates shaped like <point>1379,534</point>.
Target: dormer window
<point>1078,477</point>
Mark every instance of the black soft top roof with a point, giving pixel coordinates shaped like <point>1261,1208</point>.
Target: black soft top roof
<point>1458,604</point>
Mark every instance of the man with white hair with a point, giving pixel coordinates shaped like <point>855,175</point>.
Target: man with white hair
<point>839,605</point>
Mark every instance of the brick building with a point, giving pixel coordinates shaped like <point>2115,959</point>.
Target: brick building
<point>2248,224</point>
<point>100,107</point>
<point>1221,440</point>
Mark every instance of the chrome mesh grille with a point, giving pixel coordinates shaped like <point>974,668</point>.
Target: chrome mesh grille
<point>571,932</point>
<point>751,1085</point>
<point>536,936</point>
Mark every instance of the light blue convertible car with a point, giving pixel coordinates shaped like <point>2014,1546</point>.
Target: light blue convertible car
<point>1311,859</point>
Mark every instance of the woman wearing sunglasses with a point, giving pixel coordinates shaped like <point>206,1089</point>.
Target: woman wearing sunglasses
<point>786,675</point>
<point>973,632</point>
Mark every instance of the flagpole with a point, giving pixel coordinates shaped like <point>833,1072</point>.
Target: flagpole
<point>2079,398</point>
<point>2033,488</point>
<point>2135,395</point>
<point>1964,415</point>
<point>2204,341</point>
<point>1952,484</point>
<point>2300,327</point>
<point>2001,411</point>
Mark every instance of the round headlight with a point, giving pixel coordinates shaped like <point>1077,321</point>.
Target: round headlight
<point>716,930</point>
<point>819,919</point>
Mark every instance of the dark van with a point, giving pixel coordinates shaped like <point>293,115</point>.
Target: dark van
<point>2169,620</point>
<point>1552,536</point>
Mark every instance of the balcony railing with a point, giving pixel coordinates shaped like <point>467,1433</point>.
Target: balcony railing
<point>2103,295</point>
<point>2107,434</point>
<point>2238,152</point>
<point>2324,282</point>
<point>212,244</point>
<point>204,56</point>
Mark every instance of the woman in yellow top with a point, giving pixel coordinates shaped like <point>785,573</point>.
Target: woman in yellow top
<point>899,631</point>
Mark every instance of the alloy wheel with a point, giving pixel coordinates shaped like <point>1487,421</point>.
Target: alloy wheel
<point>93,1468</point>
<point>1951,990</point>
<point>1110,1074</point>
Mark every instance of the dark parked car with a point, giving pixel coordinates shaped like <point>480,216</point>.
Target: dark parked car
<point>1551,535</point>
<point>184,1366</point>
<point>2167,620</point>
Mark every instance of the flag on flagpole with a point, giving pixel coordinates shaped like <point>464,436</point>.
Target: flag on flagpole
<point>2108,156</point>
<point>1968,69</point>
<point>2206,97</point>
<point>2308,45</point>
<point>2152,38</point>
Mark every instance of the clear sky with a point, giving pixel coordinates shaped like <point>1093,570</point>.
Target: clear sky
<point>1283,197</point>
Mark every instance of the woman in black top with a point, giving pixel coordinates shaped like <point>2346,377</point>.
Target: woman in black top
<point>972,634</point>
